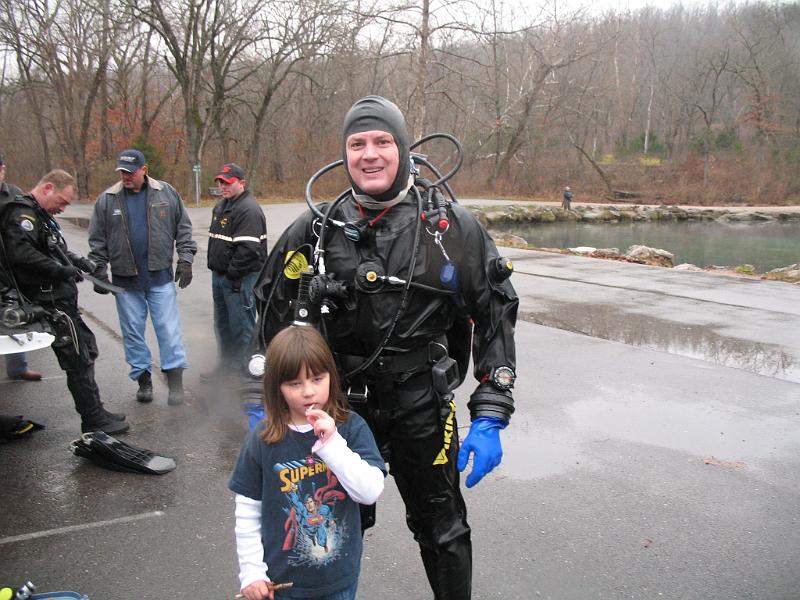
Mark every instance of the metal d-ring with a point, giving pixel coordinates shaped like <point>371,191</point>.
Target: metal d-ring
<point>444,351</point>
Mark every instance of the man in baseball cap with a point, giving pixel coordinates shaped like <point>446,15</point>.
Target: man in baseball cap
<point>137,227</point>
<point>230,173</point>
<point>237,247</point>
<point>130,161</point>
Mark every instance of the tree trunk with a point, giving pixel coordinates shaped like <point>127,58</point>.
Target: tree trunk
<point>649,113</point>
<point>422,72</point>
<point>603,175</point>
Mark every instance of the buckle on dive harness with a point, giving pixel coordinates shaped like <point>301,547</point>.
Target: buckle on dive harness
<point>358,397</point>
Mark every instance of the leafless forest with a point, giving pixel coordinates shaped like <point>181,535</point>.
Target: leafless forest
<point>697,105</point>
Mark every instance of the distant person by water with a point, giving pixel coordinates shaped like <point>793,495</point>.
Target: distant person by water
<point>567,202</point>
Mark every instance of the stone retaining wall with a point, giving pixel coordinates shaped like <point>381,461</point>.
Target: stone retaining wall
<point>508,215</point>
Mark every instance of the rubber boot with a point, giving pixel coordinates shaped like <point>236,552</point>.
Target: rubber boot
<point>175,383</point>
<point>111,415</point>
<point>109,426</point>
<point>98,419</point>
<point>86,396</point>
<point>145,391</point>
<point>105,414</point>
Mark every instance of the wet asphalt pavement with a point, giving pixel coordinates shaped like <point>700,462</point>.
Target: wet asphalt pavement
<point>653,453</point>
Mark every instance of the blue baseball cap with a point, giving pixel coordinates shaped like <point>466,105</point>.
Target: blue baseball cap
<point>130,161</point>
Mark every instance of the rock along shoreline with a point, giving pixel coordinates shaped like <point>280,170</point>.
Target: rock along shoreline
<point>495,217</point>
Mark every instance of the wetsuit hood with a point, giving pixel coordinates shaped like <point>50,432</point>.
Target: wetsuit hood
<point>375,113</point>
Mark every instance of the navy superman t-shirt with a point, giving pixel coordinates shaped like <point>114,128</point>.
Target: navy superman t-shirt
<point>310,527</point>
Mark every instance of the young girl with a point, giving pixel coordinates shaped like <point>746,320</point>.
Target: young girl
<point>299,477</point>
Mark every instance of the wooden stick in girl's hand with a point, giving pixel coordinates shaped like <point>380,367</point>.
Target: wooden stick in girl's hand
<point>272,586</point>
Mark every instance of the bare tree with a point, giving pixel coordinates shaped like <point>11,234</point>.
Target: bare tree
<point>708,97</point>
<point>16,36</point>
<point>584,114</point>
<point>758,34</point>
<point>72,72</point>
<point>204,40</point>
<point>543,53</point>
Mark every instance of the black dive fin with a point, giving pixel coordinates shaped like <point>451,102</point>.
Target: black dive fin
<point>81,448</point>
<point>111,453</point>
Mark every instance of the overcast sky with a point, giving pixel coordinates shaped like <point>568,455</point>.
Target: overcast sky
<point>624,5</point>
<point>633,5</point>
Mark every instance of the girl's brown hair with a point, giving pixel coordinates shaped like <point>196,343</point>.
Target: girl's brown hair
<point>291,349</point>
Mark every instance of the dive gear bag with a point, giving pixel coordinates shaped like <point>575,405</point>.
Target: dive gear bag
<point>14,428</point>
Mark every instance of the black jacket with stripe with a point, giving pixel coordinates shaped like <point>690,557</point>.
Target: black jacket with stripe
<point>237,242</point>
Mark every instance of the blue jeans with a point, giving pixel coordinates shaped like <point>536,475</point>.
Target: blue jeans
<point>234,318</point>
<point>345,594</point>
<point>162,303</point>
<point>16,364</point>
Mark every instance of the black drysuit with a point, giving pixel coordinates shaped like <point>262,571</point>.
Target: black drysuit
<point>36,253</point>
<point>414,424</point>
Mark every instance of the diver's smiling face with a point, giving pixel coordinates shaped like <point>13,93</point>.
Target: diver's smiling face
<point>372,160</point>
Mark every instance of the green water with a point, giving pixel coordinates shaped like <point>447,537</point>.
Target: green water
<point>766,246</point>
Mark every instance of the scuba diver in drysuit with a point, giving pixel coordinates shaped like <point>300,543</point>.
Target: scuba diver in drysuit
<point>401,282</point>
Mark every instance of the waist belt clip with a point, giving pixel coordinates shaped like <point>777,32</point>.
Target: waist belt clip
<point>444,371</point>
<point>356,397</point>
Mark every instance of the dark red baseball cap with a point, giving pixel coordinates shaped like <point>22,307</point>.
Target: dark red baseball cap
<point>230,173</point>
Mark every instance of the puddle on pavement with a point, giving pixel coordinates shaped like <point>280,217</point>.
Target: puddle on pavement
<point>695,341</point>
<point>614,416</point>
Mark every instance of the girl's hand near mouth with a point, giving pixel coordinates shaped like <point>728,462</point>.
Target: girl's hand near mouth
<point>324,425</point>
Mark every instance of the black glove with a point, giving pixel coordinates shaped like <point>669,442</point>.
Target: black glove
<point>86,265</point>
<point>70,273</point>
<point>101,272</point>
<point>183,273</point>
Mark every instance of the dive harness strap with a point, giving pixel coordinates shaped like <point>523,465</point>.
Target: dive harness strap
<point>413,360</point>
<point>378,376</point>
<point>113,454</point>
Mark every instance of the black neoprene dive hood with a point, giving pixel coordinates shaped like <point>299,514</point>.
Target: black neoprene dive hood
<point>375,113</point>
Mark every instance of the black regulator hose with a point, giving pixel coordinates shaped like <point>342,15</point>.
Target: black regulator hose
<point>442,179</point>
<point>311,183</point>
<point>324,223</point>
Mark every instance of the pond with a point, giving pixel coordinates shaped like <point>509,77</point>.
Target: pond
<point>766,246</point>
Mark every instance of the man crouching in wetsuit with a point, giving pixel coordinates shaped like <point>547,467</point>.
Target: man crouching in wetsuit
<point>395,298</point>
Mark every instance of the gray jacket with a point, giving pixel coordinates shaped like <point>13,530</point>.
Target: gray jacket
<point>169,229</point>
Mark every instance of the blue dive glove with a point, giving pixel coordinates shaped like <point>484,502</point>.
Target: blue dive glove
<point>483,439</point>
